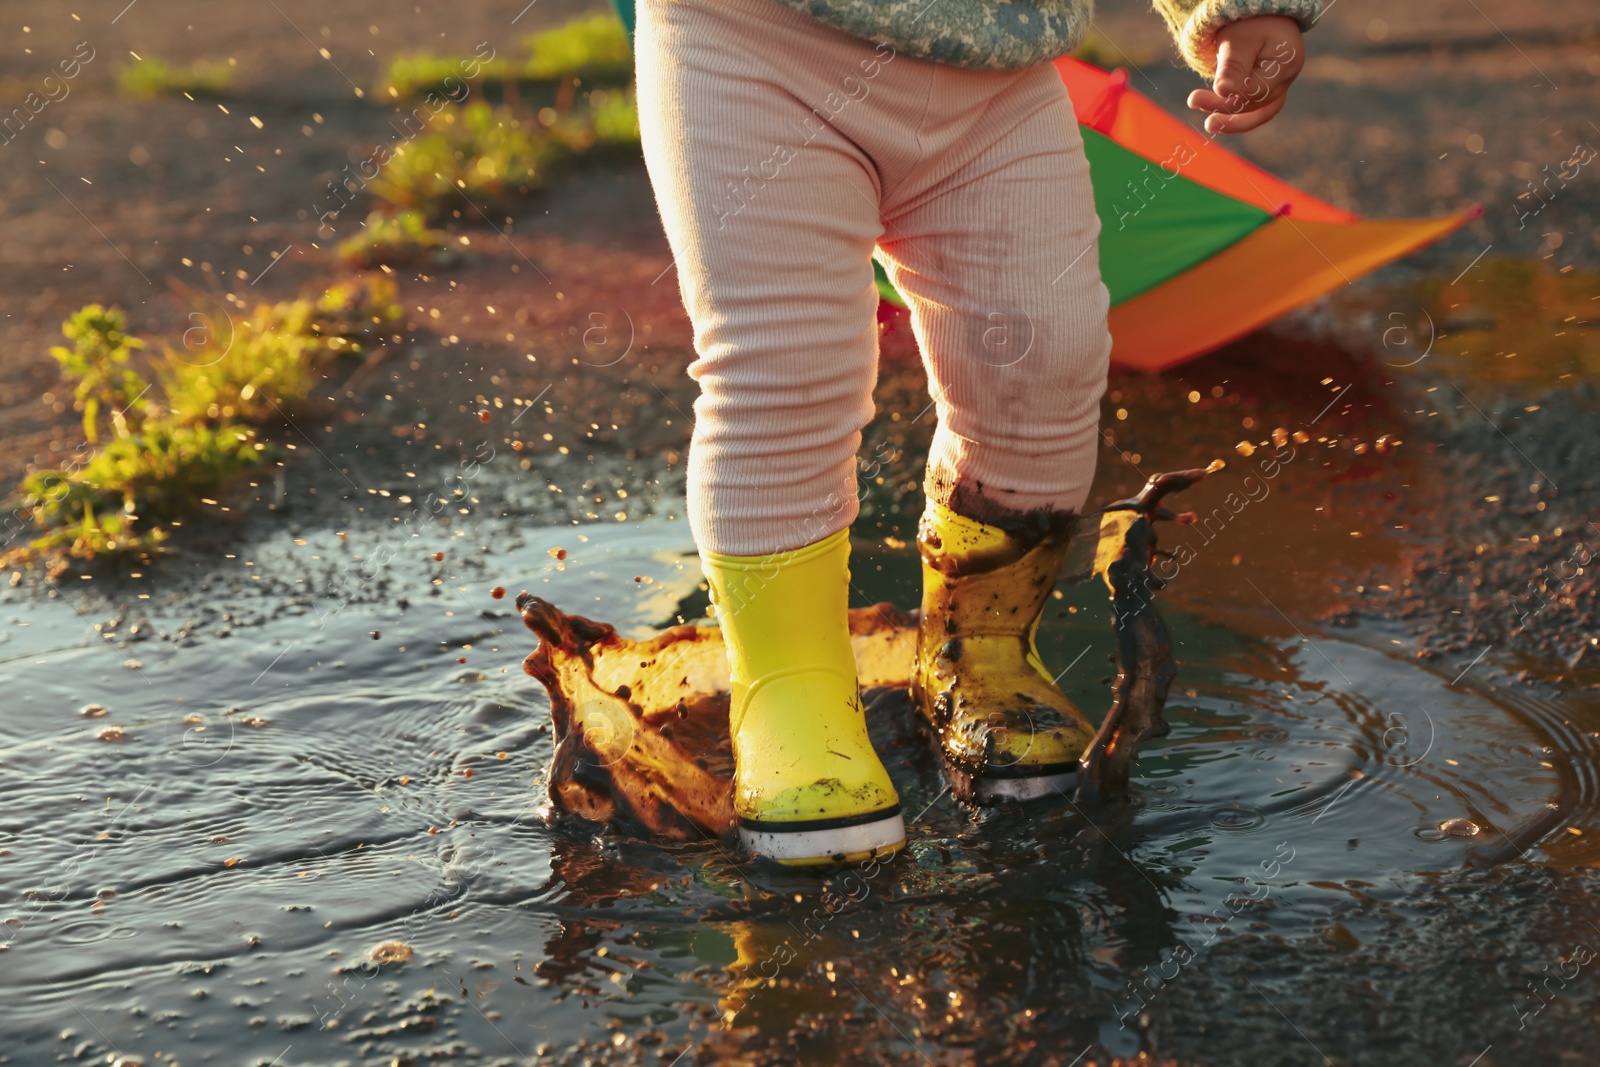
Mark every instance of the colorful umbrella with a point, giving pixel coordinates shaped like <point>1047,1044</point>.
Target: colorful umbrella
<point>1198,247</point>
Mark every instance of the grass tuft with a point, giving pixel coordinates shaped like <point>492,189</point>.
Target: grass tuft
<point>1099,50</point>
<point>494,156</point>
<point>148,78</point>
<point>595,49</point>
<point>97,364</point>
<point>614,117</point>
<point>488,154</point>
<point>116,502</point>
<point>154,449</point>
<point>397,240</point>
<point>418,75</point>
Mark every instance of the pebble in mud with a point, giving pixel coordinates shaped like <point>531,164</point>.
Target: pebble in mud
<point>111,733</point>
<point>93,711</point>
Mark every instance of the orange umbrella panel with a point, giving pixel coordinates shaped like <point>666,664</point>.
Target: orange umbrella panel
<point>1182,220</point>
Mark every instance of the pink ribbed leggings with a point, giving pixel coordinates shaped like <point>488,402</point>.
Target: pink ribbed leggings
<point>781,152</point>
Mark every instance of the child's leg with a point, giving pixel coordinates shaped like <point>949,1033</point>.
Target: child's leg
<point>997,256</point>
<point>1000,264</point>
<point>772,217</point>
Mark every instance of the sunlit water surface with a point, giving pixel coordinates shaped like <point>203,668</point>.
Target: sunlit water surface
<point>336,748</point>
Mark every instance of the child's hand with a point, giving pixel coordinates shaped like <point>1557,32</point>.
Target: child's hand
<point>1257,58</point>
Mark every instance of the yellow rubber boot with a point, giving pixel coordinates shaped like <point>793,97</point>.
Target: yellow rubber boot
<point>808,788</point>
<point>1007,731</point>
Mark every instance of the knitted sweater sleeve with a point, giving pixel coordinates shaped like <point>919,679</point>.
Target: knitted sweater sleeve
<point>1194,23</point>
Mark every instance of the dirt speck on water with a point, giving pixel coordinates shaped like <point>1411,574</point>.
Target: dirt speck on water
<point>390,952</point>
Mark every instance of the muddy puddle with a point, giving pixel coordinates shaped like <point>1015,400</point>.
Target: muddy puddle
<point>281,800</point>
<point>246,823</point>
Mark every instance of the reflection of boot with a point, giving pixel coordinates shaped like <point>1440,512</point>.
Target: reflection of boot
<point>1007,732</point>
<point>808,787</point>
<point>757,962</point>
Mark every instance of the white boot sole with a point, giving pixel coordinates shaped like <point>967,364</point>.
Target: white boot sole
<point>985,789</point>
<point>1039,787</point>
<point>842,844</point>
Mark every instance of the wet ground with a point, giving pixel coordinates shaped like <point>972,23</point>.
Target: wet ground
<point>221,807</point>
<point>307,825</point>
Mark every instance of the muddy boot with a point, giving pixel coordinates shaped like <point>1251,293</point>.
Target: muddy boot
<point>1006,731</point>
<point>808,788</point>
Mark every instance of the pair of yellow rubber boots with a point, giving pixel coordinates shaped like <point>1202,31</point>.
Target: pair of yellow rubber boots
<point>809,789</point>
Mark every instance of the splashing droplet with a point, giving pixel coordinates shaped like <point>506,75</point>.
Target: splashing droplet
<point>1237,817</point>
